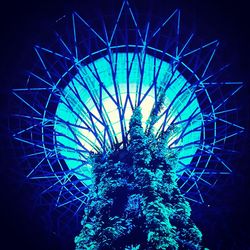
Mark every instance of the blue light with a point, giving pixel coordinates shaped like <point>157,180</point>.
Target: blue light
<point>83,126</point>
<point>79,100</point>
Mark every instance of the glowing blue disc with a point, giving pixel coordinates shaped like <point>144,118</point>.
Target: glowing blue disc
<point>88,127</point>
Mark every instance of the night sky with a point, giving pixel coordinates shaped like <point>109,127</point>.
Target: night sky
<point>226,222</point>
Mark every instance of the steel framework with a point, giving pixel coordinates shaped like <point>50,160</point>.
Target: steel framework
<point>79,98</point>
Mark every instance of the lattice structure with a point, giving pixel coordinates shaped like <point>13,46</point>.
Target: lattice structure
<point>79,98</point>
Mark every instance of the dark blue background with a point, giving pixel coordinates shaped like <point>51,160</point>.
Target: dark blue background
<point>226,223</point>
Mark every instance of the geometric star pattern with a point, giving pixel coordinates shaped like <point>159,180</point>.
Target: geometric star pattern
<point>80,95</point>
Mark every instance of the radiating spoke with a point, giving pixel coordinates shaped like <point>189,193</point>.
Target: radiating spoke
<point>87,108</point>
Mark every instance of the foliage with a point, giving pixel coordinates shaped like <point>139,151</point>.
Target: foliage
<point>135,202</point>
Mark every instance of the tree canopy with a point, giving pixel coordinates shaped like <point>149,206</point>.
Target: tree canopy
<point>135,202</point>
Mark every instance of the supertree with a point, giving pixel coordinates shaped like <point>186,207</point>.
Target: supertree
<point>79,99</point>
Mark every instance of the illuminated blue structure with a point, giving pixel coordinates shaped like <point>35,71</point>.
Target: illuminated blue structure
<point>80,96</point>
